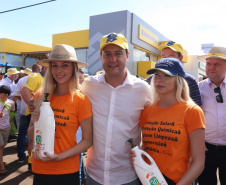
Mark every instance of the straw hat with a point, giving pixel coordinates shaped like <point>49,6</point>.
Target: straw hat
<point>62,52</point>
<point>27,71</point>
<point>12,71</point>
<point>215,52</point>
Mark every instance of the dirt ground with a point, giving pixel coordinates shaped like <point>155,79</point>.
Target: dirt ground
<point>17,173</point>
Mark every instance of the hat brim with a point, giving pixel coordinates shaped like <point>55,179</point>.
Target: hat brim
<point>47,61</point>
<point>13,73</point>
<point>153,70</point>
<point>28,73</point>
<point>113,44</point>
<point>163,47</point>
<point>204,57</point>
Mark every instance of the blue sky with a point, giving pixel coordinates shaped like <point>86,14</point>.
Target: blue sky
<point>188,22</point>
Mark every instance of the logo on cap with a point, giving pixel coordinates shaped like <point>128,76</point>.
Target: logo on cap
<point>165,63</point>
<point>170,43</point>
<point>111,38</point>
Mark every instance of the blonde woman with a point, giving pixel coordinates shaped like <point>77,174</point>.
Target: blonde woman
<point>61,82</point>
<point>173,126</point>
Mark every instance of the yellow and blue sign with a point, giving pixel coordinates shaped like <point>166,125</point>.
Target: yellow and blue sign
<point>2,57</point>
<point>202,65</point>
<point>147,36</point>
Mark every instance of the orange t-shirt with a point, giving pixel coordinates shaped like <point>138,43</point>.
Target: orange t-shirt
<point>166,136</point>
<point>67,115</point>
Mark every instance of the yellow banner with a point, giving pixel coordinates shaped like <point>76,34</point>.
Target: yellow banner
<point>147,36</point>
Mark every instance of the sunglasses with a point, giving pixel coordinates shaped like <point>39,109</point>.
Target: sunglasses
<point>219,97</point>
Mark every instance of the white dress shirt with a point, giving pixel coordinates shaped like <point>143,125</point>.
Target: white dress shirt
<point>116,115</point>
<point>19,86</point>
<point>215,113</point>
<point>10,83</point>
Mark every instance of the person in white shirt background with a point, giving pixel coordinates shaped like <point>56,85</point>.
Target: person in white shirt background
<point>82,171</point>
<point>23,73</point>
<point>213,93</point>
<point>22,114</point>
<point>117,99</point>
<point>12,75</point>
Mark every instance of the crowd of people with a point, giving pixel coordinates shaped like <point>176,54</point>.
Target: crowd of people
<point>179,122</point>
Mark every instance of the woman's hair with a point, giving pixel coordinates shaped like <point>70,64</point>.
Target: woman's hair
<point>182,92</point>
<point>50,83</point>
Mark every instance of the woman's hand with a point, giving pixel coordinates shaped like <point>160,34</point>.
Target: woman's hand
<point>49,157</point>
<point>132,154</point>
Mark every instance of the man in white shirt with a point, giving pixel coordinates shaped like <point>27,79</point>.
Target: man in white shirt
<point>117,100</point>
<point>12,75</point>
<point>23,121</point>
<point>213,93</point>
<point>24,73</point>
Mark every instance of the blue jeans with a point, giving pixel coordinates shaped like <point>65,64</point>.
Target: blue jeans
<point>82,170</point>
<point>24,124</point>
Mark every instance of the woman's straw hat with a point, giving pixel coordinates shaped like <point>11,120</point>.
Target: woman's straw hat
<point>62,52</point>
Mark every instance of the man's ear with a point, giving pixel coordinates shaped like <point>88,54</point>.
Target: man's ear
<point>127,55</point>
<point>181,57</point>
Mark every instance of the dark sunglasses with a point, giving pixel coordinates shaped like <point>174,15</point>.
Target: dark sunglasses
<point>219,97</point>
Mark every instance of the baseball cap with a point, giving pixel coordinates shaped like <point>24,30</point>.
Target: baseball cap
<point>172,45</point>
<point>5,89</point>
<point>169,66</point>
<point>114,38</point>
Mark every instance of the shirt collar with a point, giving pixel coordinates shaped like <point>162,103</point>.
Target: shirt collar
<point>9,80</point>
<point>223,84</point>
<point>128,80</point>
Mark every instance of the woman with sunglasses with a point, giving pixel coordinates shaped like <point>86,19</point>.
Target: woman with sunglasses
<point>173,126</point>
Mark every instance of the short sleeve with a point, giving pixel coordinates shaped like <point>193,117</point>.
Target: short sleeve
<point>143,116</point>
<point>84,108</point>
<point>194,119</point>
<point>32,82</point>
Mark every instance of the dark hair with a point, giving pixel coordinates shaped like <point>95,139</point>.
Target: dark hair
<point>81,71</point>
<point>5,89</point>
<point>36,68</point>
<point>179,54</point>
